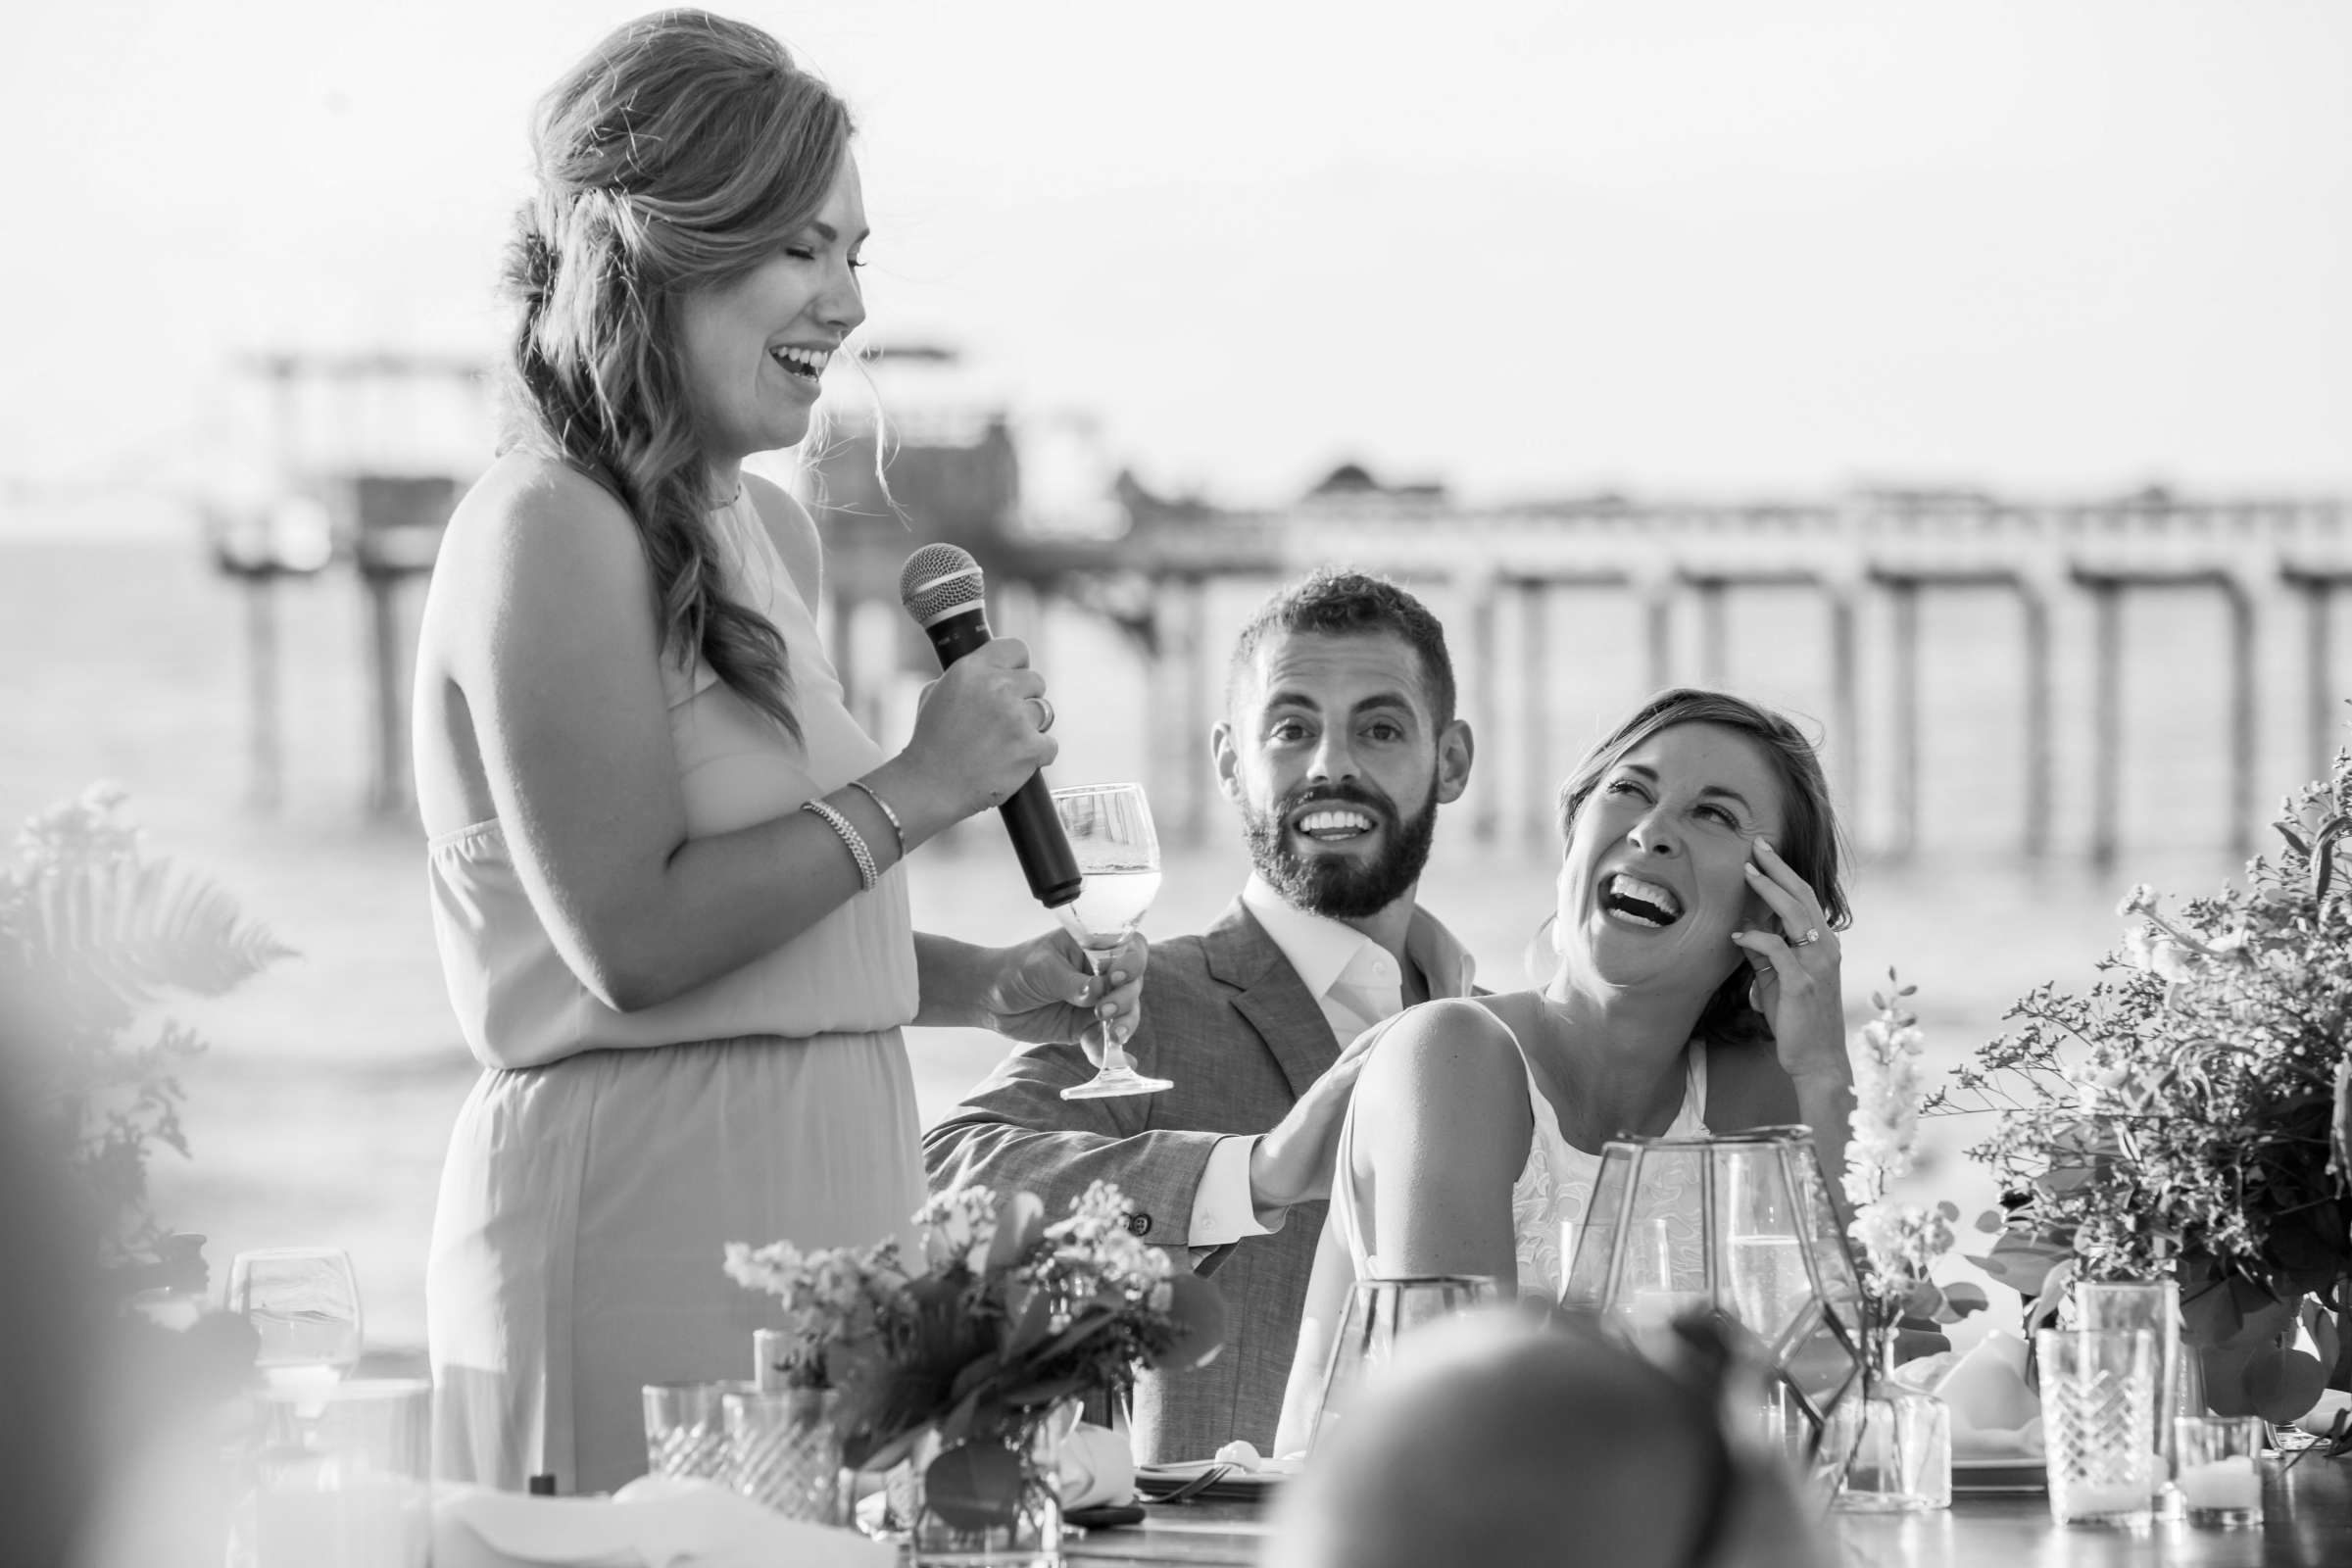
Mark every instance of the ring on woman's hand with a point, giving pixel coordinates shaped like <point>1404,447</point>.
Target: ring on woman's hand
<point>1812,935</point>
<point>1045,713</point>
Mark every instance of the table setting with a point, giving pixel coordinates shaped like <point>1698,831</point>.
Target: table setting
<point>2173,1143</point>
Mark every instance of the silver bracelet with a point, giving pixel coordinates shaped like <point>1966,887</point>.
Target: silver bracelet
<point>852,840</point>
<point>897,831</point>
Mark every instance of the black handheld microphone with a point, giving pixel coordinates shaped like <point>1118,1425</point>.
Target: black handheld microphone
<point>940,586</point>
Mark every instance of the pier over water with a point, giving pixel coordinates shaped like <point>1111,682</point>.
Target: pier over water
<point>2245,587</point>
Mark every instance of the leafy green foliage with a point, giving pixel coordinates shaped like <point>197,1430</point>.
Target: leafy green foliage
<point>93,932</point>
<point>2189,1114</point>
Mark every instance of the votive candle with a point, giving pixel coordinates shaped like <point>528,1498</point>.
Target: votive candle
<point>2094,1498</point>
<point>2220,1480</point>
<point>2221,1484</point>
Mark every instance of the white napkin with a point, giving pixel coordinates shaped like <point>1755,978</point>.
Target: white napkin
<point>1097,1468</point>
<point>656,1522</point>
<point>1995,1414</point>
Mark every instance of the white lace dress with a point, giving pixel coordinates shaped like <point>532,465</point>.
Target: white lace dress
<point>1556,1187</point>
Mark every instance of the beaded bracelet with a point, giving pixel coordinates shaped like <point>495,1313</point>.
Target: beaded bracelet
<point>852,840</point>
<point>867,790</point>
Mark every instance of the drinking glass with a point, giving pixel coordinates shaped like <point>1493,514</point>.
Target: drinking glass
<point>2153,1305</point>
<point>341,1481</point>
<point>1379,1312</point>
<point>1109,828</point>
<point>2221,1469</point>
<point>1648,1288</point>
<point>1764,1255</point>
<point>2098,1389</point>
<point>784,1449</point>
<point>686,1429</point>
<point>303,1305</point>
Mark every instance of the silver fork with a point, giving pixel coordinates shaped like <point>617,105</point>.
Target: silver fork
<point>1198,1485</point>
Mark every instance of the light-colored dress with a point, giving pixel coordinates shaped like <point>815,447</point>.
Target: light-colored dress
<point>604,1159</point>
<point>1551,1190</point>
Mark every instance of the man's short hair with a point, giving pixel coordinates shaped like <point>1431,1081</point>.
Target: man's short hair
<point>1342,602</point>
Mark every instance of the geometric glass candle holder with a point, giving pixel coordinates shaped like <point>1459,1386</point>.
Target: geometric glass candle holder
<point>1751,1238</point>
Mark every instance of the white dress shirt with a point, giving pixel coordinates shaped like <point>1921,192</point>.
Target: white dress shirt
<point>1358,983</point>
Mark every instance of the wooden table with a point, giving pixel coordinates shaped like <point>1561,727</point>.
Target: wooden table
<point>2307,1524</point>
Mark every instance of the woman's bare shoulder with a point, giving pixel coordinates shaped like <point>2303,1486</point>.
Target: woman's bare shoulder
<point>534,548</point>
<point>531,525</point>
<point>1454,1036</point>
<point>525,501</point>
<point>1447,1075</point>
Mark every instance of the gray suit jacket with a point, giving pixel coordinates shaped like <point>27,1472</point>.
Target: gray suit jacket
<point>1228,1021</point>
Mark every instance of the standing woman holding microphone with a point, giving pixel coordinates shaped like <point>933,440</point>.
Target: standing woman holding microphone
<point>663,858</point>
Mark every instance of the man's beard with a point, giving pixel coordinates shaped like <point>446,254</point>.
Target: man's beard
<point>1330,884</point>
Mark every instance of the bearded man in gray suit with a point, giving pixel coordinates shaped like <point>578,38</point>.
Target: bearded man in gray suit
<point>1338,746</point>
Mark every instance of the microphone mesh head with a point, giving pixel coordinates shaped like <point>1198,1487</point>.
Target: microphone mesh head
<point>938,580</point>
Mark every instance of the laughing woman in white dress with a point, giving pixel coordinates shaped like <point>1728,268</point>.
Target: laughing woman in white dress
<point>664,861</point>
<point>1697,989</point>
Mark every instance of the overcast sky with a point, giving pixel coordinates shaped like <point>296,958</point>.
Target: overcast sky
<point>1670,246</point>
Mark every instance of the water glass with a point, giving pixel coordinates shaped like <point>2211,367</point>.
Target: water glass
<point>2098,1397</point>
<point>1648,1289</point>
<point>784,1451</point>
<point>2153,1305</point>
<point>686,1429</point>
<point>342,1479</point>
<point>2219,1478</point>
<point>1380,1313</point>
<point>303,1305</point>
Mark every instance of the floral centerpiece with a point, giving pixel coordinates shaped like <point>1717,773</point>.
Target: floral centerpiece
<point>1004,1316</point>
<point>2186,1117</point>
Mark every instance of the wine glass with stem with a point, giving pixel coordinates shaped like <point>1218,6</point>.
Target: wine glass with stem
<point>303,1305</point>
<point>1109,828</point>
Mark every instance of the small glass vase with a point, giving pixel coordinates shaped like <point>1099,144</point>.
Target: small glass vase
<point>994,1499</point>
<point>784,1451</point>
<point>1894,1446</point>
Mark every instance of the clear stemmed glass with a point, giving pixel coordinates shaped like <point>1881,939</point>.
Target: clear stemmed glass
<point>1109,827</point>
<point>304,1304</point>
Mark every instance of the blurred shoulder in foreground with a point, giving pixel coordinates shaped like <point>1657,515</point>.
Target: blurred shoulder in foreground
<point>1514,1438</point>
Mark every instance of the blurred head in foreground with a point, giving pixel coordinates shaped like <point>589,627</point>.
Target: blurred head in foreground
<point>48,1302</point>
<point>1515,1439</point>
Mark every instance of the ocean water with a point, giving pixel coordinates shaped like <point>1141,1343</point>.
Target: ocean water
<point>320,1112</point>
